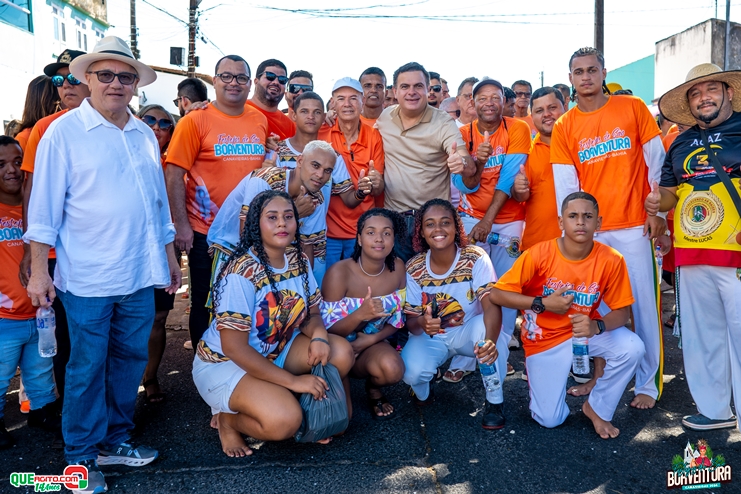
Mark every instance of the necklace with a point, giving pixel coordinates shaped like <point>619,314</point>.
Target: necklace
<point>360,263</point>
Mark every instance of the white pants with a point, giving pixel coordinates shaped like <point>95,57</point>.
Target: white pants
<point>644,282</point>
<point>502,261</point>
<point>422,355</point>
<point>548,371</point>
<point>709,316</point>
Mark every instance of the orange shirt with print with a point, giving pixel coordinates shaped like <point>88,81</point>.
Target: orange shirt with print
<point>342,221</point>
<point>14,301</point>
<point>543,269</point>
<point>529,121</point>
<point>29,152</point>
<point>368,121</point>
<point>278,122</point>
<point>606,147</point>
<point>512,137</point>
<point>217,151</point>
<point>541,210</point>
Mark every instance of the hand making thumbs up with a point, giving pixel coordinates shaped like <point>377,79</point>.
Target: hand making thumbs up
<point>455,160</point>
<point>364,184</point>
<point>522,184</point>
<point>375,176</point>
<point>653,200</point>
<point>484,150</point>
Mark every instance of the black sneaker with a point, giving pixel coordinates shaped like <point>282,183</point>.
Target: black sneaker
<point>45,418</point>
<point>6,440</point>
<point>493,416</point>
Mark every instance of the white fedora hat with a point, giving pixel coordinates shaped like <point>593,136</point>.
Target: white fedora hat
<point>675,106</point>
<point>112,48</point>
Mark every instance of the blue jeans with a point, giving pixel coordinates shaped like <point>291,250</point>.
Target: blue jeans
<point>108,339</point>
<point>339,249</point>
<point>19,345</point>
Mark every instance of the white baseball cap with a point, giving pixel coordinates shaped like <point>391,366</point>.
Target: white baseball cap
<point>348,82</point>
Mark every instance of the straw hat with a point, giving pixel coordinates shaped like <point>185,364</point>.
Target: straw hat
<point>112,48</point>
<point>674,104</point>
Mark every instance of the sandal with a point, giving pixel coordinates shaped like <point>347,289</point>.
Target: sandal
<point>376,404</point>
<point>154,398</point>
<point>455,376</point>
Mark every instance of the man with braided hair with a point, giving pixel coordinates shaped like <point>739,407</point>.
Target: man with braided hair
<point>610,147</point>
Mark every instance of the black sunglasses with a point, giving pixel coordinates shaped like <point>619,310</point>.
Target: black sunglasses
<point>297,88</point>
<point>437,88</point>
<point>151,120</point>
<point>58,80</point>
<point>106,77</point>
<point>226,77</point>
<point>177,101</point>
<point>271,76</point>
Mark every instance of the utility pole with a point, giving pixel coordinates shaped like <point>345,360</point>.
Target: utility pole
<point>541,78</point>
<point>134,48</point>
<point>192,26</point>
<point>727,57</point>
<point>599,25</point>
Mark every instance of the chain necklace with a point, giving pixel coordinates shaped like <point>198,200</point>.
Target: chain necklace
<point>360,263</point>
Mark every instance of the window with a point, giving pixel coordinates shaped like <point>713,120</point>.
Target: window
<point>84,37</point>
<point>17,13</point>
<point>79,40</point>
<point>64,34</point>
<point>57,15</point>
<point>56,28</point>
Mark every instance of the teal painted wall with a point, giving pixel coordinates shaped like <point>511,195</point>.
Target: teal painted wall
<point>638,76</point>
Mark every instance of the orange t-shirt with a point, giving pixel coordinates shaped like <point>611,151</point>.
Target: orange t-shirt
<point>669,138</point>
<point>278,122</point>
<point>529,121</point>
<point>14,301</point>
<point>541,210</point>
<point>29,152</point>
<point>368,121</point>
<point>342,221</point>
<point>543,269</point>
<point>606,147</point>
<point>512,137</point>
<point>218,151</point>
<point>22,137</point>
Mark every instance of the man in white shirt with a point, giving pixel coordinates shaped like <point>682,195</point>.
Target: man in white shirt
<point>99,197</point>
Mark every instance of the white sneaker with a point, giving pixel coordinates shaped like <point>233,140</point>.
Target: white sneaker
<point>188,345</point>
<point>513,343</point>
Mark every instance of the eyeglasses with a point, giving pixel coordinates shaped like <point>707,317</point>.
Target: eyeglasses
<point>226,78</point>
<point>271,76</point>
<point>58,80</point>
<point>297,88</point>
<point>436,88</point>
<point>177,101</point>
<point>106,77</point>
<point>523,95</point>
<point>151,120</point>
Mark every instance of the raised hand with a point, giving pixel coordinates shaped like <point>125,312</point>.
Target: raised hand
<point>375,176</point>
<point>522,184</point>
<point>365,185</point>
<point>455,160</point>
<point>271,142</point>
<point>484,150</point>
<point>371,308</point>
<point>557,302</point>
<point>653,200</point>
<point>430,325</point>
<point>305,204</point>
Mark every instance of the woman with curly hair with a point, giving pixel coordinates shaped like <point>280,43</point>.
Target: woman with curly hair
<point>364,301</point>
<point>448,308</point>
<point>266,334</point>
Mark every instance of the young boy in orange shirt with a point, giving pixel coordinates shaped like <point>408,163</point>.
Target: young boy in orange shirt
<point>559,284</point>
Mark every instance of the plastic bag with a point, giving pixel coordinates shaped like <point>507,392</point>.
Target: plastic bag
<point>327,417</point>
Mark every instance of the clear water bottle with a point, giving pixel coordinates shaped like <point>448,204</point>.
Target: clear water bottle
<point>491,378</point>
<point>580,364</point>
<point>510,243</point>
<point>659,260</point>
<point>46,324</point>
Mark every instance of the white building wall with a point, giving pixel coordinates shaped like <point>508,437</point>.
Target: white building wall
<point>675,56</point>
<point>164,90</point>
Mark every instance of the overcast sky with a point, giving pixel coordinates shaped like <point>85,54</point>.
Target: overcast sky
<point>505,40</point>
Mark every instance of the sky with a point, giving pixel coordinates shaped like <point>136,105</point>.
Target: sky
<point>504,40</point>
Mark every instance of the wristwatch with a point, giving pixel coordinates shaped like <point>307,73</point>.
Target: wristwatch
<point>538,306</point>
<point>600,326</point>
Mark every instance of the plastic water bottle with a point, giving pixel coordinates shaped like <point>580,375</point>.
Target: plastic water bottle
<point>491,377</point>
<point>580,364</point>
<point>510,243</point>
<point>46,324</point>
<point>659,259</point>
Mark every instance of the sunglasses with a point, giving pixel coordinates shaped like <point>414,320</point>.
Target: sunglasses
<point>297,88</point>
<point>522,94</point>
<point>151,120</point>
<point>177,101</point>
<point>271,76</point>
<point>226,77</point>
<point>437,88</point>
<point>58,80</point>
<point>106,77</point>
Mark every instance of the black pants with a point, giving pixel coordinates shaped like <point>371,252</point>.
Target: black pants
<point>403,246</point>
<point>199,263</point>
<point>62,334</point>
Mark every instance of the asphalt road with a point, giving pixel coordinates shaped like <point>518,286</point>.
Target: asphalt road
<point>440,449</point>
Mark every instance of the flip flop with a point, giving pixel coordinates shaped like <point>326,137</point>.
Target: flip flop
<point>455,376</point>
<point>154,398</point>
<point>377,403</point>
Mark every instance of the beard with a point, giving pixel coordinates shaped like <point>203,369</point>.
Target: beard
<point>268,99</point>
<point>709,118</point>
